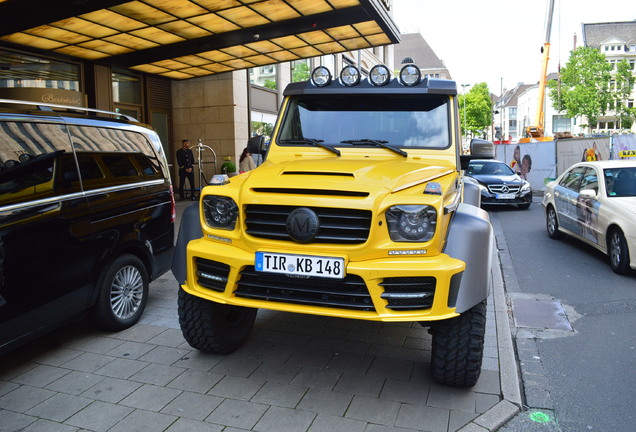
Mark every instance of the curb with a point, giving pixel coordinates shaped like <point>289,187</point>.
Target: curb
<point>511,403</point>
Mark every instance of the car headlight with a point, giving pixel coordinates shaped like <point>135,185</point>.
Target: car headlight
<point>220,211</point>
<point>411,223</point>
<point>525,186</point>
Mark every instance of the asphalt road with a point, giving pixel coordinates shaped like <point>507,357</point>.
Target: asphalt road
<point>578,379</point>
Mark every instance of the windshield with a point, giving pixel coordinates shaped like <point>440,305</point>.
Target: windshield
<point>489,168</point>
<point>408,121</point>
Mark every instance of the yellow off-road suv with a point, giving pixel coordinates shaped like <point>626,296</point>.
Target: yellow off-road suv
<point>359,210</point>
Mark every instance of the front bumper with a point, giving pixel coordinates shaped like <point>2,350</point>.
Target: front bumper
<point>391,289</point>
<point>523,197</point>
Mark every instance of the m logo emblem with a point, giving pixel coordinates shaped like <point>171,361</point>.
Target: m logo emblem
<point>302,225</point>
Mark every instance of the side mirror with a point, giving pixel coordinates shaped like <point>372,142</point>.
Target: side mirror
<point>479,149</point>
<point>587,194</point>
<point>255,144</point>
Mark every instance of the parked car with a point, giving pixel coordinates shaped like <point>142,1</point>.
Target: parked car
<point>596,203</point>
<point>86,218</point>
<point>499,184</point>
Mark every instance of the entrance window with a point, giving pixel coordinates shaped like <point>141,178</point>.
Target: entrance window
<point>127,94</point>
<point>18,70</point>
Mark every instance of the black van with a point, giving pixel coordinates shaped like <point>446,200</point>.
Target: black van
<point>86,218</point>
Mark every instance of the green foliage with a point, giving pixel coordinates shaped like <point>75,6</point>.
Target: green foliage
<point>270,84</point>
<point>478,114</point>
<point>584,85</point>
<point>300,72</point>
<point>624,79</point>
<point>228,167</point>
<point>261,128</point>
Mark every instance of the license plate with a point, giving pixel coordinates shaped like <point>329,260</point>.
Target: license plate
<point>300,265</point>
<point>505,196</point>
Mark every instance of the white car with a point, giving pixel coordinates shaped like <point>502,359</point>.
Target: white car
<point>596,203</point>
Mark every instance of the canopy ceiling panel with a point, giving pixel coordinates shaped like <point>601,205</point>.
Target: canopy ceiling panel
<point>189,38</point>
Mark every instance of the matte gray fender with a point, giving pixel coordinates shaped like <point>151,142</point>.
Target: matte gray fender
<point>189,229</point>
<point>470,239</point>
<point>472,193</point>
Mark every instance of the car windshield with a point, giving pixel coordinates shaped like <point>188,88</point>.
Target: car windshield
<point>489,168</point>
<point>620,182</point>
<point>404,121</point>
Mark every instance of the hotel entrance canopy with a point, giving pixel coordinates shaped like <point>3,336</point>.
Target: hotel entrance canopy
<point>183,39</point>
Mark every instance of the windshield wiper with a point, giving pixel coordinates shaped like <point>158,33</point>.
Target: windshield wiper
<point>379,143</point>
<point>314,142</point>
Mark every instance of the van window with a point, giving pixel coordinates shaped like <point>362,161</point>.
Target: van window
<point>36,162</point>
<point>120,165</point>
<point>90,138</point>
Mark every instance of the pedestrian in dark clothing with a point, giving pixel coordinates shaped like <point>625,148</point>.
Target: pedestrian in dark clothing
<point>185,159</point>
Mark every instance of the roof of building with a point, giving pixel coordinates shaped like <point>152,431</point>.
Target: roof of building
<point>595,34</point>
<point>414,47</point>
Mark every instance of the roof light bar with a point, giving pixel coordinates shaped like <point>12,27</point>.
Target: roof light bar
<point>410,75</point>
<point>350,76</point>
<point>321,76</point>
<point>380,75</point>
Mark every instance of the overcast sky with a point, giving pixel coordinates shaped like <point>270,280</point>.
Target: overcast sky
<point>487,40</point>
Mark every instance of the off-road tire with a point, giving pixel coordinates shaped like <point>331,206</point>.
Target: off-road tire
<point>458,348</point>
<point>122,295</point>
<point>552,223</point>
<point>214,327</point>
<point>618,251</point>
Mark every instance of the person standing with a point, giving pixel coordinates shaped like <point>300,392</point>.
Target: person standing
<point>185,159</point>
<point>246,163</point>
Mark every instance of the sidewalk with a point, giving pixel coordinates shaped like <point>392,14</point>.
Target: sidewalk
<point>297,373</point>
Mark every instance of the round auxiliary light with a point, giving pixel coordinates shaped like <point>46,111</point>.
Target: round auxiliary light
<point>350,75</point>
<point>321,76</point>
<point>410,75</point>
<point>379,75</point>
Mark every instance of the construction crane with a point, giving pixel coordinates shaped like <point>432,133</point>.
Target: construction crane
<point>536,132</point>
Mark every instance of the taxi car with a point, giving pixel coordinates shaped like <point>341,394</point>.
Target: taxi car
<point>595,202</point>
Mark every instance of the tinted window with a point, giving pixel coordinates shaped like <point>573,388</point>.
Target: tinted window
<point>120,165</point>
<point>590,180</point>
<point>620,182</point>
<point>36,162</point>
<point>572,179</point>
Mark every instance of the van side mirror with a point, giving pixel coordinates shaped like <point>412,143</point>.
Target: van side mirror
<point>479,149</point>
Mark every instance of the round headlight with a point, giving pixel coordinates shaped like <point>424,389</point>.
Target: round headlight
<point>379,75</point>
<point>350,76</point>
<point>411,223</point>
<point>220,212</point>
<point>410,75</point>
<point>321,76</point>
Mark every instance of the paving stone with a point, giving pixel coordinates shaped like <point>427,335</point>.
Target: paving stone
<point>191,405</point>
<point>195,380</point>
<point>483,402</point>
<point>139,333</point>
<point>157,374</point>
<point>279,395</point>
<point>59,407</point>
<point>99,416</point>
<point>58,356</point>
<point>41,376</point>
<point>350,362</point>
<point>24,398</point>
<point>412,392</point>
<point>325,402</point>
<point>327,423</point>
<point>373,410</point>
<point>6,387</point>
<point>143,421</point>
<point>111,390</point>
<point>14,421</point>
<point>75,382</point>
<point>236,388</point>
<point>423,418</point>
<point>168,338</point>
<point>359,384</point>
<point>278,419</point>
<point>164,355</point>
<point>310,357</point>
<point>48,426</point>
<point>238,414</point>
<point>198,360</point>
<point>88,362</point>
<point>121,368</point>
<point>489,382</point>
<point>150,397</point>
<point>131,350</point>
<point>451,398</point>
<point>459,419</point>
<point>280,372</point>
<point>230,366</point>
<point>316,378</point>
<point>391,368</point>
<point>98,344</point>
<point>189,425</point>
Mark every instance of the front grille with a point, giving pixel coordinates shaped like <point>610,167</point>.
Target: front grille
<point>348,293</point>
<point>409,293</point>
<point>212,274</point>
<point>337,225</point>
<point>501,188</point>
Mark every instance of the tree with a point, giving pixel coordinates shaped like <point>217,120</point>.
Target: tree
<point>584,85</point>
<point>300,72</point>
<point>478,115</point>
<point>624,83</point>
